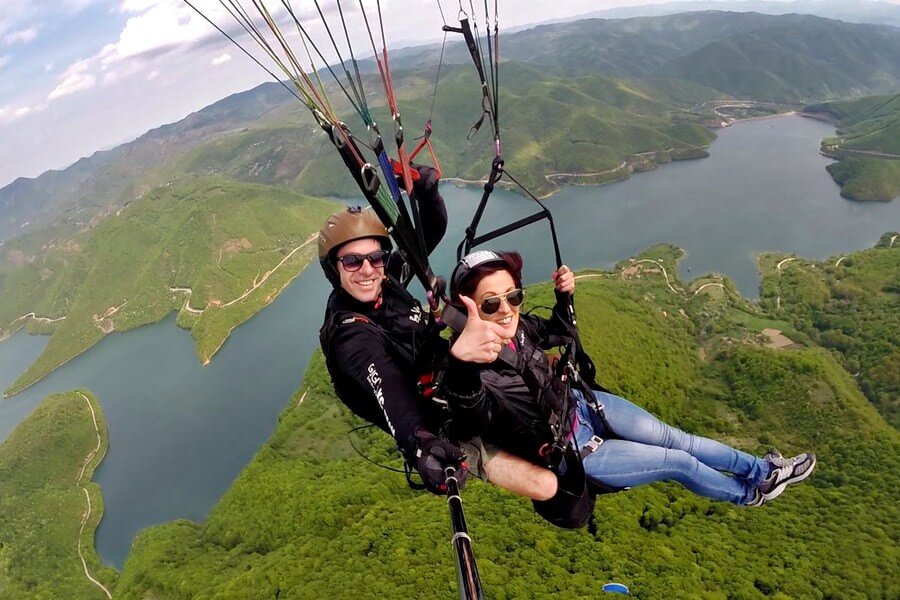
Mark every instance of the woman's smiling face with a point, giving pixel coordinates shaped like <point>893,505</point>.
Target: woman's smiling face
<point>497,285</point>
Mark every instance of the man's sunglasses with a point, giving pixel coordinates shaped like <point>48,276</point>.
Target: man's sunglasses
<point>354,262</point>
<point>491,305</point>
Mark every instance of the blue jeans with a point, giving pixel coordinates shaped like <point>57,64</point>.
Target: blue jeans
<point>649,450</point>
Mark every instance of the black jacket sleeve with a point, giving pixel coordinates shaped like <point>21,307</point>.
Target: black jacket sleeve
<point>432,213</point>
<point>362,357</point>
<point>432,209</point>
<point>469,402</point>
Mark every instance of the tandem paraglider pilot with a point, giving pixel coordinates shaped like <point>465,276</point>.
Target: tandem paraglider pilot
<point>379,342</point>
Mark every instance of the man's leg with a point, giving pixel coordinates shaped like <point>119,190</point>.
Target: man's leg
<point>519,476</point>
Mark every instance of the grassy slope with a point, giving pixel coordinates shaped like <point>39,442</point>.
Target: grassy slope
<point>852,308</point>
<point>307,518</point>
<point>42,502</point>
<point>212,235</point>
<point>870,124</point>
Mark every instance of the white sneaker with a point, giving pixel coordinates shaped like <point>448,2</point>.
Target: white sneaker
<point>783,472</point>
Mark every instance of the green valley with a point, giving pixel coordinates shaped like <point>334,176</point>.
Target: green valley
<point>49,507</point>
<point>309,518</point>
<point>213,249</point>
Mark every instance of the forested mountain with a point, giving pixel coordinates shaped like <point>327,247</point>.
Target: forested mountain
<point>101,184</point>
<point>308,516</point>
<point>867,145</point>
<point>49,506</point>
<point>786,58</point>
<point>263,136</point>
<point>851,307</point>
<point>213,249</point>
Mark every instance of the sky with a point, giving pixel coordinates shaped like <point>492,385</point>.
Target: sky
<point>78,76</point>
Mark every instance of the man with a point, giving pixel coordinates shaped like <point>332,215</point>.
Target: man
<point>377,339</point>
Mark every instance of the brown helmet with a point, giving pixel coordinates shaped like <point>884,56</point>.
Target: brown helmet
<point>346,225</point>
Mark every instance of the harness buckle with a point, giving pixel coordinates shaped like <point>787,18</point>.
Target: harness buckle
<point>591,446</point>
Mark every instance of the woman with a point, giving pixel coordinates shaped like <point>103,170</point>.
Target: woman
<point>620,444</point>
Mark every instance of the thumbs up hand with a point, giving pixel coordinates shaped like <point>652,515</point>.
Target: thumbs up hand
<point>480,341</point>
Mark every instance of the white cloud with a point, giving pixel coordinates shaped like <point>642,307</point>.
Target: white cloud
<point>23,36</point>
<point>10,113</point>
<point>4,60</point>
<point>152,75</point>
<point>75,79</point>
<point>219,60</point>
<point>160,26</point>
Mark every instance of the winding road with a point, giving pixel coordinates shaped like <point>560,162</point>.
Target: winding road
<point>87,514</point>
<point>257,282</point>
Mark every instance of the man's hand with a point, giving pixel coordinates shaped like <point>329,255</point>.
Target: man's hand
<point>424,178</point>
<point>564,280</point>
<point>480,341</point>
<point>433,456</point>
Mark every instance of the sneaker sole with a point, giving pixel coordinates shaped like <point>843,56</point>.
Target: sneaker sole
<point>778,489</point>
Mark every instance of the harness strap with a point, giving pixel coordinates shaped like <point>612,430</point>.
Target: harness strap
<point>592,445</point>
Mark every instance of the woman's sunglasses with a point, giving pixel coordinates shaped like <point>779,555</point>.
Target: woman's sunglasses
<point>491,305</point>
<point>354,262</point>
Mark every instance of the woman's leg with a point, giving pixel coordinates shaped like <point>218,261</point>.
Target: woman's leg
<point>631,422</point>
<point>624,463</point>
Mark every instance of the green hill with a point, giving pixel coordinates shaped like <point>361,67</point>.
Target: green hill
<point>850,305</point>
<point>796,58</point>
<point>588,124</point>
<point>785,58</point>
<point>46,466</point>
<point>215,250</point>
<point>668,63</point>
<point>867,146</point>
<point>308,518</point>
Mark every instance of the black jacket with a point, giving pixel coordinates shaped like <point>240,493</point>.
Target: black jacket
<point>497,403</point>
<point>376,355</point>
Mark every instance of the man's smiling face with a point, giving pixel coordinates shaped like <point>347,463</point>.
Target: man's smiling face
<point>364,284</point>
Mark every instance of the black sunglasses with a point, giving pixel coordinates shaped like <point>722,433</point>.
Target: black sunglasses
<point>354,262</point>
<point>491,305</point>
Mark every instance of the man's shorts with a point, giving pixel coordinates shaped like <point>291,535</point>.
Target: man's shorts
<point>478,454</point>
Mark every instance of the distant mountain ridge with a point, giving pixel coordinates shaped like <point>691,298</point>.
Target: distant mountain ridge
<point>680,59</point>
<point>108,179</point>
<point>852,11</point>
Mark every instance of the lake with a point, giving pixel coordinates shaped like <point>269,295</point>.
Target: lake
<point>180,433</point>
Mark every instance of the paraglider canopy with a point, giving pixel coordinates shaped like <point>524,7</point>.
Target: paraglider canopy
<point>616,588</point>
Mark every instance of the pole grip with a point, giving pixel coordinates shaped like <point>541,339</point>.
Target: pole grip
<point>466,569</point>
